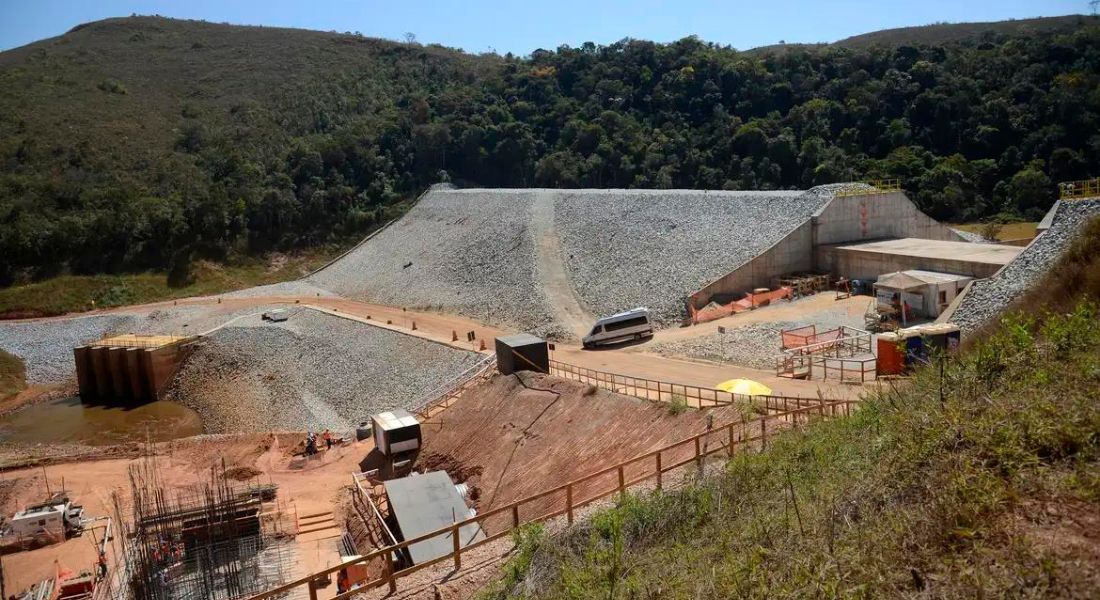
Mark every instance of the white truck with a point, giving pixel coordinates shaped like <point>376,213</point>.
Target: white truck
<point>621,327</point>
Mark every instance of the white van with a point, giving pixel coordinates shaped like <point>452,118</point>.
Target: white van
<point>621,327</point>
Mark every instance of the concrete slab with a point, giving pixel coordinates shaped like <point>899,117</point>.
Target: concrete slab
<point>993,254</point>
<point>869,260</point>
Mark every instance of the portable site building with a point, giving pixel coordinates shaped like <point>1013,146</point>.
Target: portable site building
<point>918,294</point>
<point>396,431</point>
<point>901,349</point>
<point>425,503</point>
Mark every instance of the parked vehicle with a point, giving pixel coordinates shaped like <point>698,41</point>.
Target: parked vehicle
<point>622,327</point>
<point>277,315</point>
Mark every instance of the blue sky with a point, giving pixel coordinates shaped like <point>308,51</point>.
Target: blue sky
<point>522,26</point>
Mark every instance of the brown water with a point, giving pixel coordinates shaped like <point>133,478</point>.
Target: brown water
<point>69,420</point>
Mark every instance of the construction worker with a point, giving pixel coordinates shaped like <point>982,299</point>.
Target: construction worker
<point>327,437</point>
<point>311,444</point>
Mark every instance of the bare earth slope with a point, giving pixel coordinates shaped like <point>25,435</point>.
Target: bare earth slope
<point>515,436</point>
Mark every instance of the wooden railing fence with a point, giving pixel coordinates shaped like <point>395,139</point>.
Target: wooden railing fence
<point>663,391</point>
<point>577,494</point>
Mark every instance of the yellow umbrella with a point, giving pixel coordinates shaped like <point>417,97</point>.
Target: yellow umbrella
<point>746,387</point>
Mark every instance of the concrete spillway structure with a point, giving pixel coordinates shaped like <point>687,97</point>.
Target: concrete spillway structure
<point>842,219</point>
<point>131,368</point>
<point>868,260</point>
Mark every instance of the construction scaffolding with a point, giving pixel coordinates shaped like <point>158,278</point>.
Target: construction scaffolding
<point>214,541</point>
<point>805,284</point>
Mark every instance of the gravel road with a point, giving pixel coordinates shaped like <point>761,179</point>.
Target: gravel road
<point>484,253</point>
<point>754,345</point>
<point>989,297</point>
<point>312,371</point>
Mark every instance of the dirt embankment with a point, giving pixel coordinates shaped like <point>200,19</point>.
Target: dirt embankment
<point>518,435</point>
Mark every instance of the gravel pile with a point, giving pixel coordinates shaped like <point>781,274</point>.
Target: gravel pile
<point>988,297</point>
<point>753,346</point>
<point>483,253</point>
<point>758,344</point>
<point>973,238</point>
<point>312,371</point>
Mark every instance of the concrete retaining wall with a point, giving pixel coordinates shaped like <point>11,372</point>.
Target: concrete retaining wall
<point>127,374</point>
<point>791,254</point>
<point>841,220</point>
<point>876,216</point>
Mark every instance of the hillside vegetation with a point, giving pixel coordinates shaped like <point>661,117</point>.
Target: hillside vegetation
<point>980,480</point>
<point>76,293</point>
<point>144,142</point>
<point>13,375</point>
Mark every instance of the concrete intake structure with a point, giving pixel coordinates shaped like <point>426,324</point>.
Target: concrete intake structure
<point>131,368</point>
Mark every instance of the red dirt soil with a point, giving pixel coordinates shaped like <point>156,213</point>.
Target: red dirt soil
<point>515,436</point>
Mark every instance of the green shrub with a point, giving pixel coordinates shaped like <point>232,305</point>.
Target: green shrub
<point>677,405</point>
<point>112,86</point>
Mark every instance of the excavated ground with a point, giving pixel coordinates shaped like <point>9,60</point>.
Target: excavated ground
<point>518,435</point>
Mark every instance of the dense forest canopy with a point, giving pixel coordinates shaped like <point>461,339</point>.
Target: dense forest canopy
<point>145,142</point>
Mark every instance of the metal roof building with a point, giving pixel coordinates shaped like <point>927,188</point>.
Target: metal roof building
<point>426,503</point>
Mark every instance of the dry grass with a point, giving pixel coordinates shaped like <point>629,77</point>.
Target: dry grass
<point>12,375</point>
<point>1008,231</point>
<point>76,293</point>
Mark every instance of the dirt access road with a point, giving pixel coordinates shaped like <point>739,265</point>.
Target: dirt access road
<point>629,360</point>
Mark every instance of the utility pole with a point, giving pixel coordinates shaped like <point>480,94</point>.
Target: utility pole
<point>1094,4</point>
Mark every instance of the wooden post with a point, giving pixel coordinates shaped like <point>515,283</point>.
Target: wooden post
<point>729,428</point>
<point>659,470</point>
<point>515,516</point>
<point>457,546</point>
<point>763,433</point>
<point>622,482</point>
<point>698,455</point>
<point>389,571</point>
<point>569,502</point>
<point>312,590</point>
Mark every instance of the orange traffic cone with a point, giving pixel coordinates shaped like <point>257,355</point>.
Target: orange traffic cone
<point>454,335</point>
<point>414,326</point>
<point>482,345</point>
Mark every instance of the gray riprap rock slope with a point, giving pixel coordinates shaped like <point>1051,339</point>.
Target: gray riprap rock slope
<point>986,298</point>
<point>467,251</point>
<point>481,252</point>
<point>46,347</point>
<point>627,248</point>
<point>310,372</point>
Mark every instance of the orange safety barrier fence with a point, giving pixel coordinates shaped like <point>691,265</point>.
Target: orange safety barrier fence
<point>715,311</point>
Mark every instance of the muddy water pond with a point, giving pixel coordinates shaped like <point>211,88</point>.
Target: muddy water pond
<point>68,420</point>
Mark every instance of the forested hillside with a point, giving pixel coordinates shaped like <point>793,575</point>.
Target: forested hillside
<point>146,142</point>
